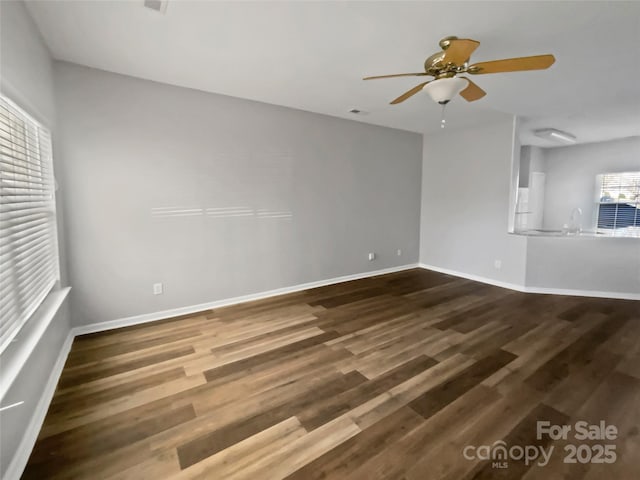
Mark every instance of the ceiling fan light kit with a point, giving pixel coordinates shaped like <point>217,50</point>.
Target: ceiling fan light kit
<point>443,90</point>
<point>453,60</point>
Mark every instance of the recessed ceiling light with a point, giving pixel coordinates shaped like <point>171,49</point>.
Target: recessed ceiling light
<point>555,135</point>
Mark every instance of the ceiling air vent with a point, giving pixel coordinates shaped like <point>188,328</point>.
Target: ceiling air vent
<point>157,5</point>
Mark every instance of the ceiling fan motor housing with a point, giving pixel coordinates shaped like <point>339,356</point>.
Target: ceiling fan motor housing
<point>432,62</point>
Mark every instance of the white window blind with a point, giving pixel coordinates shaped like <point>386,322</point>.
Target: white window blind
<point>619,203</point>
<point>28,238</point>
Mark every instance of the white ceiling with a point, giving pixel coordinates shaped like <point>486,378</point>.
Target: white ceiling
<point>312,55</point>
<point>607,123</point>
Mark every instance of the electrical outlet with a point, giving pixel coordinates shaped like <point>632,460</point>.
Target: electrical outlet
<point>497,264</point>
<point>157,289</point>
<point>399,252</point>
<point>372,256</point>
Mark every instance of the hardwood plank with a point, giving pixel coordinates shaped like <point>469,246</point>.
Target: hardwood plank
<point>300,451</point>
<point>326,410</point>
<point>434,433</point>
<point>447,461</point>
<point>51,454</point>
<point>160,464</point>
<point>206,445</point>
<point>523,434</point>
<point>96,467</point>
<point>266,356</point>
<point>94,355</point>
<point>343,459</point>
<point>576,355</point>
<point>434,400</point>
<point>158,397</point>
<point>81,399</point>
<point>214,413</point>
<point>338,300</point>
<point>141,331</point>
<point>616,402</point>
<point>87,374</point>
<point>577,388</point>
<point>236,458</point>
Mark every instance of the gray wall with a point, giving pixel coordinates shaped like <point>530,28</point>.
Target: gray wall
<point>465,203</point>
<point>571,177</point>
<point>218,197</point>
<point>26,63</point>
<point>27,79</point>
<point>589,264</point>
<point>465,199</point>
<point>608,265</point>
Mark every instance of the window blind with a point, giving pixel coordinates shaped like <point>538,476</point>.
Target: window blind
<point>28,238</point>
<point>619,202</point>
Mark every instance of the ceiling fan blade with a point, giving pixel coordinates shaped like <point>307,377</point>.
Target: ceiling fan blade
<point>537,62</point>
<point>473,92</point>
<point>397,75</point>
<point>408,94</point>
<point>459,51</point>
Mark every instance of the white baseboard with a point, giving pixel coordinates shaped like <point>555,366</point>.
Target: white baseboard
<point>525,289</point>
<point>475,278</point>
<point>175,312</point>
<point>19,461</point>
<point>584,293</point>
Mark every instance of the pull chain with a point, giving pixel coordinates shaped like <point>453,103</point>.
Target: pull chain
<point>442,120</point>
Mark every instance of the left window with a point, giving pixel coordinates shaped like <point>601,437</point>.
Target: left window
<point>29,265</point>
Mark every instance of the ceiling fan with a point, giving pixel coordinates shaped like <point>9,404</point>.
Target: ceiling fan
<point>453,60</point>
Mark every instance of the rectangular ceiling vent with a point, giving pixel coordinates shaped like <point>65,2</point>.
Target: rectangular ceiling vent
<point>157,5</point>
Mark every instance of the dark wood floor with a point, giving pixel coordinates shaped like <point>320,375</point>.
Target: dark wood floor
<point>388,377</point>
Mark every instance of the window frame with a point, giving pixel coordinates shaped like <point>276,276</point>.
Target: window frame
<point>31,166</point>
<point>600,190</point>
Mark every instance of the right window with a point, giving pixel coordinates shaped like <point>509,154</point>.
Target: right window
<point>618,202</point>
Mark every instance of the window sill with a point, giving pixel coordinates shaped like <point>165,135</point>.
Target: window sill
<point>560,234</point>
<point>17,353</point>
